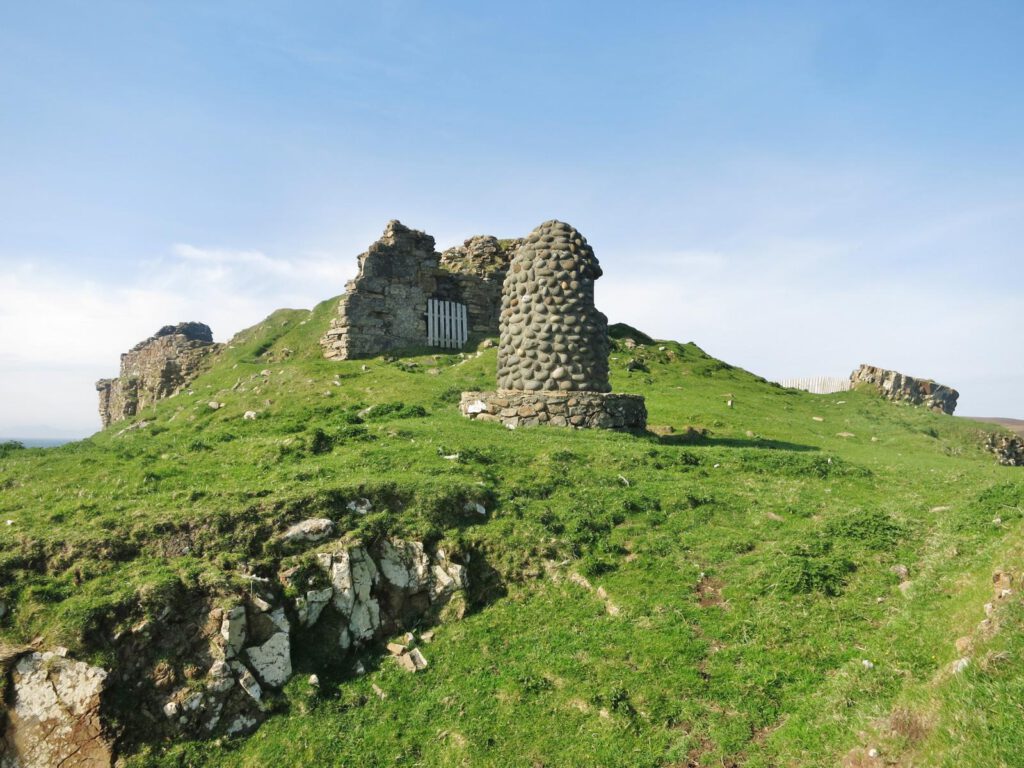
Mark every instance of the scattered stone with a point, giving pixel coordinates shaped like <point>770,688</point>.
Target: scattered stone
<point>171,709</point>
<point>901,572</point>
<point>960,665</point>
<point>427,637</point>
<point>475,506</point>
<point>213,405</point>
<point>867,664</point>
<point>249,415</point>
<point>380,693</point>
<point>309,531</point>
<point>418,659</point>
<point>845,434</point>
<point>314,680</point>
<point>396,649</point>
<point>817,418</point>
<point>360,506</point>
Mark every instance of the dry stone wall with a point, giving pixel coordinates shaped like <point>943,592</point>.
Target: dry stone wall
<point>156,368</point>
<point>552,336</point>
<point>1009,449</point>
<point>584,410</point>
<point>384,308</point>
<point>899,387</point>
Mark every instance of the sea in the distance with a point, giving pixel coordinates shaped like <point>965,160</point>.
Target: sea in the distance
<point>39,442</point>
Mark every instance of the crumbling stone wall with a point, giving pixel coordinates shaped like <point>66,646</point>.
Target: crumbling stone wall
<point>384,308</point>
<point>1009,449</point>
<point>899,387</point>
<point>552,336</point>
<point>154,369</point>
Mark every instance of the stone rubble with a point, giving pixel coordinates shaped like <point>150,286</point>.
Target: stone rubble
<point>1009,449</point>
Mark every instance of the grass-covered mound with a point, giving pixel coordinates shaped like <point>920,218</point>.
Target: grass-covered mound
<point>703,594</point>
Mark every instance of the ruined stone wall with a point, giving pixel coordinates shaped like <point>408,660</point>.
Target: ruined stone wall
<point>384,308</point>
<point>899,387</point>
<point>154,369</point>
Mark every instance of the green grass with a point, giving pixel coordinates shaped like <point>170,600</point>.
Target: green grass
<point>750,567</point>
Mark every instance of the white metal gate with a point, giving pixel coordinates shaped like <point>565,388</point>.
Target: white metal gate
<point>446,324</point>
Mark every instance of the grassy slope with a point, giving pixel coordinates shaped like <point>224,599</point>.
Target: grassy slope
<point>751,570</point>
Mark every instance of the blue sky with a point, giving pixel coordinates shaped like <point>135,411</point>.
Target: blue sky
<point>797,187</point>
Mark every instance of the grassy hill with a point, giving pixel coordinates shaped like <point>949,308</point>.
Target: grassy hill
<point>727,589</point>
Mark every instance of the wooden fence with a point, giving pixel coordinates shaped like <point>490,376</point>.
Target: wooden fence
<point>447,325</point>
<point>819,385</point>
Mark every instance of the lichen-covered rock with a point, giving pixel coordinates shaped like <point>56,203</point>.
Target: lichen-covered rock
<point>272,661</point>
<point>308,531</point>
<point>233,631</point>
<point>899,387</point>
<point>552,336</point>
<point>54,715</point>
<point>156,368</point>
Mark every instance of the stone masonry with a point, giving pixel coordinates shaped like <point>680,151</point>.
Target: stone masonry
<point>383,310</point>
<point>553,347</point>
<point>552,336</point>
<point>898,387</point>
<point>156,368</point>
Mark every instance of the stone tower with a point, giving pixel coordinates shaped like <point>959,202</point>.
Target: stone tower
<point>553,348</point>
<point>552,336</point>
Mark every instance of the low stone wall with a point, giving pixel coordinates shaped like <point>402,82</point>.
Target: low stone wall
<point>899,387</point>
<point>583,410</point>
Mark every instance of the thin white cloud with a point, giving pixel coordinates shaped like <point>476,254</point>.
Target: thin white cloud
<point>60,332</point>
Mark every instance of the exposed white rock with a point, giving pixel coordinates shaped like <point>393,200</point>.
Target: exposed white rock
<point>219,679</point>
<point>404,564</point>
<point>272,661</point>
<point>171,709</point>
<point>241,724</point>
<point>309,531</point>
<point>249,415</point>
<point>280,620</point>
<point>233,631</point>
<point>54,716</point>
<point>316,600</point>
<point>360,506</point>
<point>247,681</point>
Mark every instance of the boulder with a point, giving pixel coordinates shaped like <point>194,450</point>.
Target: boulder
<point>272,661</point>
<point>54,715</point>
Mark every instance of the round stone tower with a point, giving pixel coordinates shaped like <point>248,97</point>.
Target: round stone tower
<point>551,335</point>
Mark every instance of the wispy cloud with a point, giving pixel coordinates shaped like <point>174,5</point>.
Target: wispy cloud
<point>60,332</point>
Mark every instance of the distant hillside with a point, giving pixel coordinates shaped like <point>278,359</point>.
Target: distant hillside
<point>1014,425</point>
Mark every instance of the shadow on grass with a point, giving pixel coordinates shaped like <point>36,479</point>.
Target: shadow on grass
<point>696,439</point>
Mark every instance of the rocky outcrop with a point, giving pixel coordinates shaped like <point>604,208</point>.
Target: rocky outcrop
<point>154,369</point>
<point>552,336</point>
<point>1009,449</point>
<point>899,387</point>
<point>206,664</point>
<point>53,718</point>
<point>384,308</point>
